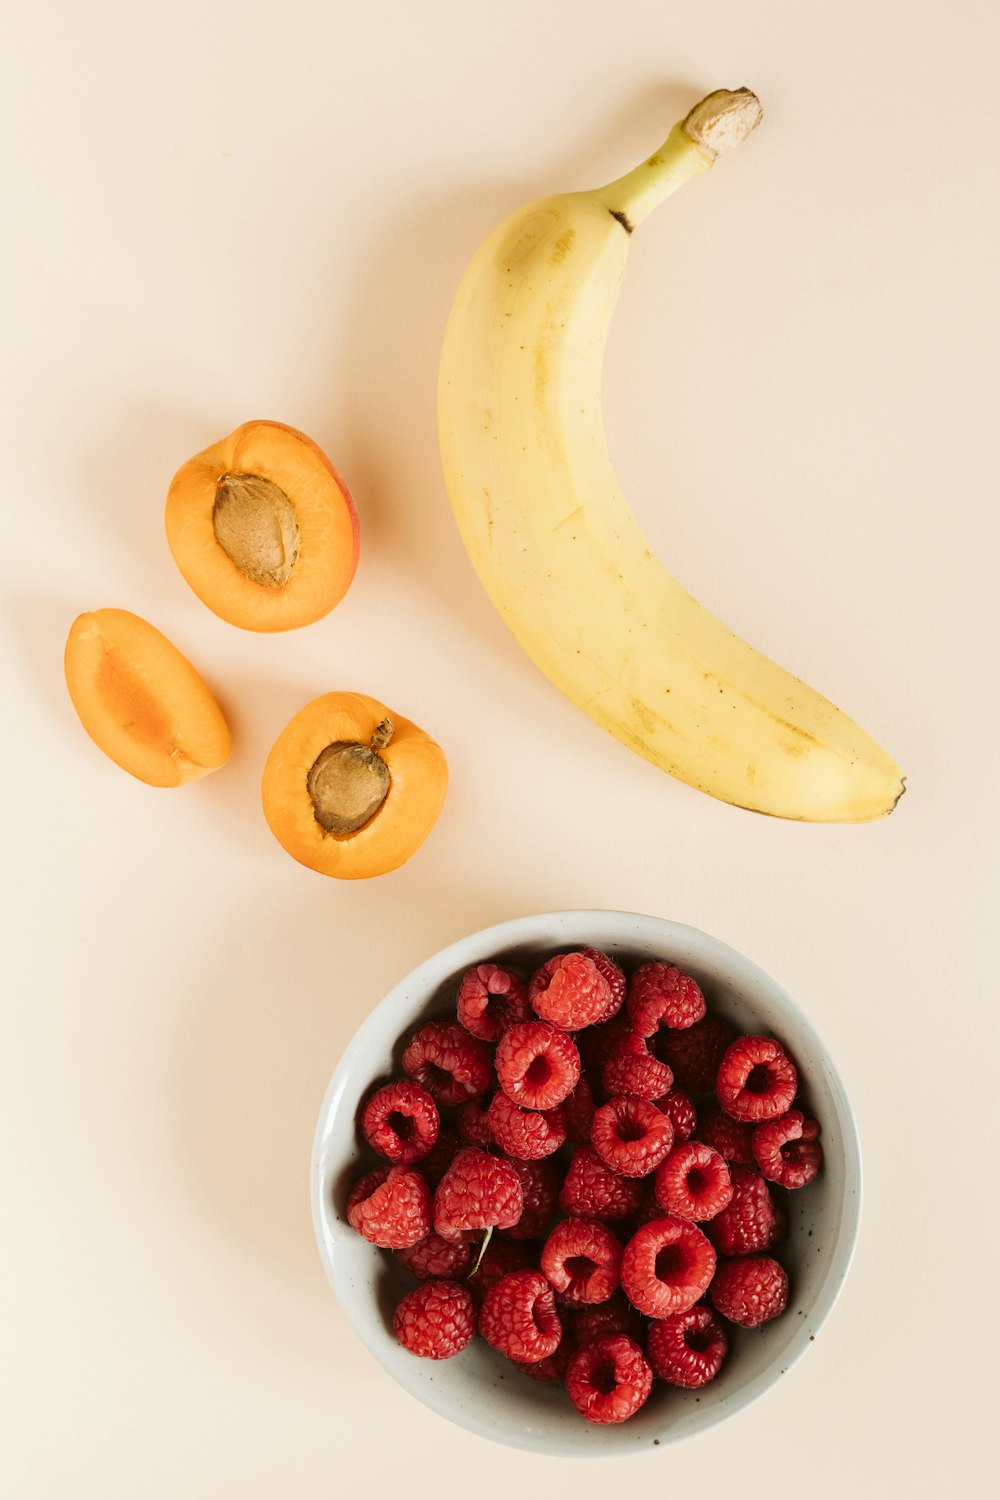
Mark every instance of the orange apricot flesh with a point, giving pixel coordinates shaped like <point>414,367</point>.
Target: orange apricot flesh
<point>263,528</point>
<point>141,701</point>
<point>352,789</point>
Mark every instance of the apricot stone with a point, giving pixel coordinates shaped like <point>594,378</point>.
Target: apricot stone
<point>352,789</point>
<point>141,701</point>
<point>263,528</point>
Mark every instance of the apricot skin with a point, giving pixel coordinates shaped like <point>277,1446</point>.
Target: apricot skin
<point>260,458</point>
<point>418,782</point>
<point>141,701</point>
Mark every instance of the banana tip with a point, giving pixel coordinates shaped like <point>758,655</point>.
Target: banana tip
<point>723,119</point>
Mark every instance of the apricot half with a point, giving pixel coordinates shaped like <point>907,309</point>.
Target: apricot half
<point>141,701</point>
<point>263,528</point>
<point>352,789</point>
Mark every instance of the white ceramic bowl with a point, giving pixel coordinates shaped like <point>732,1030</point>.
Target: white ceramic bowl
<point>479,1389</point>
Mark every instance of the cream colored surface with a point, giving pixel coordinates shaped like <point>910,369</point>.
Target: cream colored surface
<point>220,211</point>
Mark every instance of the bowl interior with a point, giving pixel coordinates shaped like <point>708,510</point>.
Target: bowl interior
<point>478,1388</point>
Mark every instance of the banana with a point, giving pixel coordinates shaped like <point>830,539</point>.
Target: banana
<point>545,523</point>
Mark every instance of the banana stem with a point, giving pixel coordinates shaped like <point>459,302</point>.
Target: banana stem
<point>720,121</point>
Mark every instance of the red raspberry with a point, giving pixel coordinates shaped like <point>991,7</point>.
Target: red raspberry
<point>570,991</point>
<point>578,1112</point>
<point>449,1062</point>
<point>666,1266</point>
<point>436,1320</point>
<point>435,1259</point>
<point>518,1317</point>
<point>750,1292</point>
<point>501,1256</point>
<point>609,1380</point>
<point>490,999</point>
<point>540,1188</point>
<point>473,1122</point>
<point>732,1140</point>
<point>595,1320</point>
<point>631,1135</point>
<point>693,1182</point>
<point>650,1208</point>
<point>591,1190</point>
<point>552,1369</point>
<point>687,1349</point>
<point>581,1259</point>
<point>680,1111</point>
<point>401,1121</point>
<point>440,1159</point>
<point>391,1207</point>
<point>788,1151</point>
<point>632,1069</point>
<point>757,1079</point>
<point>662,995</point>
<point>537,1065</point>
<point>595,1042</point>
<point>478,1191</point>
<point>695,1054</point>
<point>615,977</point>
<point>750,1222</point>
<point>525,1133</point>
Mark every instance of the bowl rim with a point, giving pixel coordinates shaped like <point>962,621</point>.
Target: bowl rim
<point>515,931</point>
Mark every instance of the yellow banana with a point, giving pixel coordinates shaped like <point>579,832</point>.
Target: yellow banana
<point>552,538</point>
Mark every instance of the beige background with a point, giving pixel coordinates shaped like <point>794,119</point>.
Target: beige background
<point>222,210</point>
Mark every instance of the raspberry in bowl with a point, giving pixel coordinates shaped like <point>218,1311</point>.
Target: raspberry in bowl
<point>733,1249</point>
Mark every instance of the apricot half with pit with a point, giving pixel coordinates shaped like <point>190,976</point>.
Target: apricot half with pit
<point>352,789</point>
<point>141,701</point>
<point>263,528</point>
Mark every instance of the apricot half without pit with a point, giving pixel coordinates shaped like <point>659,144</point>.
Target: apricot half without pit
<point>352,789</point>
<point>141,701</point>
<point>263,528</point>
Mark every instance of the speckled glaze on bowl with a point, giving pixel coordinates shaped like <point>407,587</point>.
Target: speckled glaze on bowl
<point>479,1389</point>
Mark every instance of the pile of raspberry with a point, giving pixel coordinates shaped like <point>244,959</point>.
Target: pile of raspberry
<point>589,1171</point>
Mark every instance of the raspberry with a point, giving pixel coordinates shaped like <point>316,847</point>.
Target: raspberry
<point>662,995</point>
<point>391,1207</point>
<point>788,1151</point>
<point>490,999</point>
<point>757,1079</point>
<point>750,1292</point>
<point>595,1042</point>
<point>537,1064</point>
<point>615,977</point>
<point>750,1222</point>
<point>666,1266</point>
<point>540,1188</point>
<point>596,1319</point>
<point>581,1258</point>
<point>473,1123</point>
<point>609,1380</point>
<point>680,1111</point>
<point>632,1069</point>
<point>695,1054</point>
<point>436,1320</point>
<point>401,1121</point>
<point>693,1182</point>
<point>591,1190</point>
<point>552,1369</point>
<point>502,1255</point>
<point>525,1133</point>
<point>518,1317</point>
<point>435,1259</point>
<point>631,1135</point>
<point>478,1191</point>
<point>436,1164</point>
<point>449,1062</point>
<point>733,1141</point>
<point>578,1112</point>
<point>687,1349</point>
<point>570,991</point>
